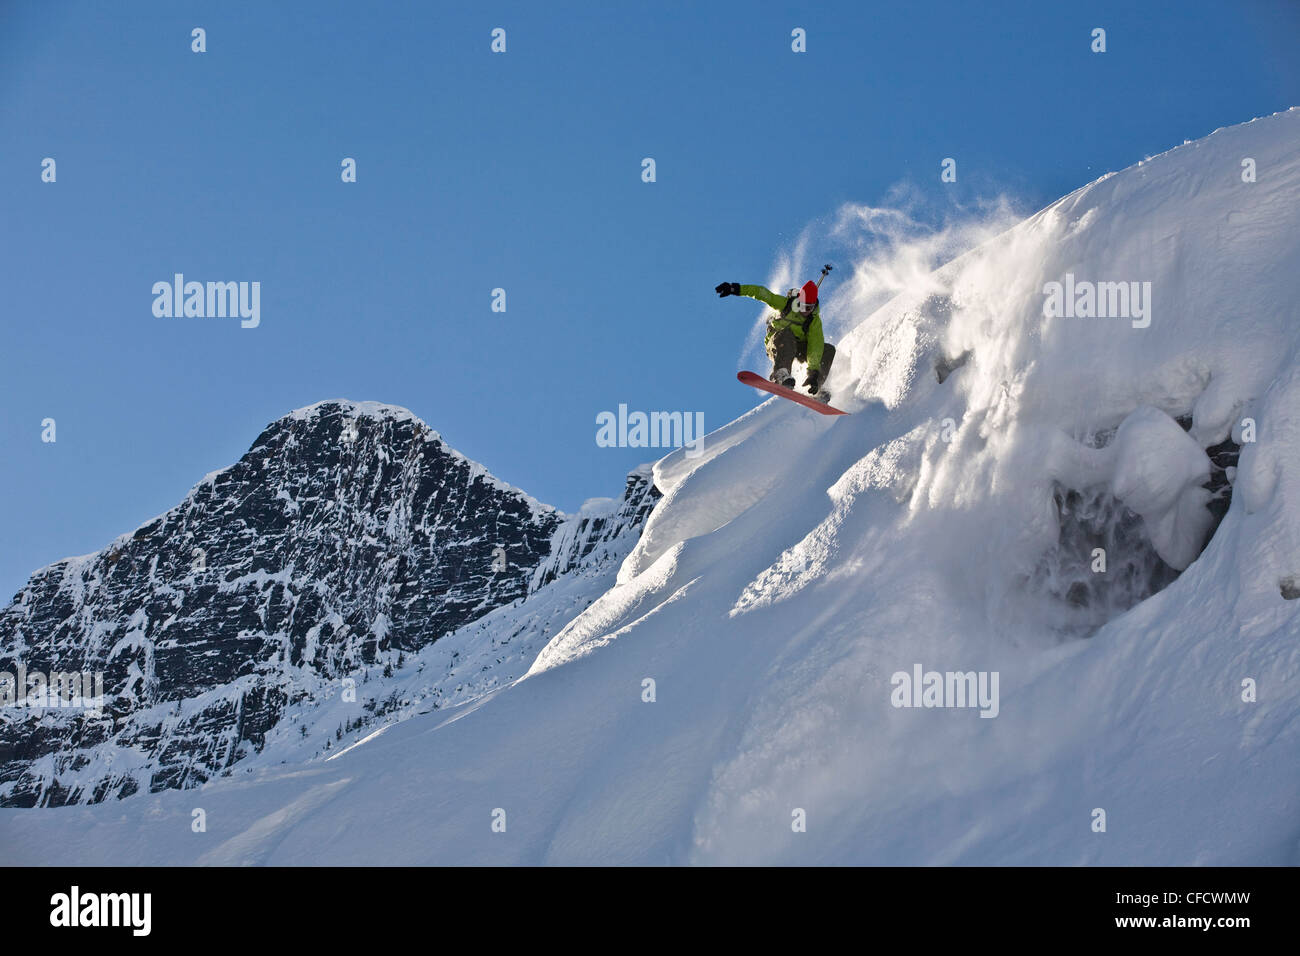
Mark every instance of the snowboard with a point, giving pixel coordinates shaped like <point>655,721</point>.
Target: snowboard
<point>758,381</point>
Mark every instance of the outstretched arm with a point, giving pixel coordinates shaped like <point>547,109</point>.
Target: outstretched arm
<point>764,295</point>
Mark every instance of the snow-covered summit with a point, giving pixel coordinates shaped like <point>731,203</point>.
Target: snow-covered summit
<point>346,410</point>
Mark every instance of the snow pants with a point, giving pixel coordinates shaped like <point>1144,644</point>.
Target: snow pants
<point>783,348</point>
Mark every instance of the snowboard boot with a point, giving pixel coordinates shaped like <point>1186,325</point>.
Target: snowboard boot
<point>782,376</point>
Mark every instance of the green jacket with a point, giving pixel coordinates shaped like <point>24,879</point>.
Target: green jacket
<point>806,328</point>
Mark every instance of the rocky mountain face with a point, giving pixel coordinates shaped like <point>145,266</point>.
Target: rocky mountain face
<point>599,533</point>
<point>348,538</point>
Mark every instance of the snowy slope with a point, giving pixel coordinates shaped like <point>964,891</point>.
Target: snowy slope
<point>790,571</point>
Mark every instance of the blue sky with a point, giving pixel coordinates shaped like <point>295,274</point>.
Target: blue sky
<point>520,171</point>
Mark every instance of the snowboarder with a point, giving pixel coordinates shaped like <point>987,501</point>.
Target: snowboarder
<point>795,332</point>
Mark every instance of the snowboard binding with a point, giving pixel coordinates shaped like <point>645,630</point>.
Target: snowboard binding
<point>782,376</point>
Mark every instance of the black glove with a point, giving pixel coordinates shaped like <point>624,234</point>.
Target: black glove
<point>725,289</point>
<point>814,381</point>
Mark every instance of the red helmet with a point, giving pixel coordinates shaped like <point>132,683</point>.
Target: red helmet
<point>810,292</point>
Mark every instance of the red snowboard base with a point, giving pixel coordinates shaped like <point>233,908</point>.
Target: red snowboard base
<point>758,381</point>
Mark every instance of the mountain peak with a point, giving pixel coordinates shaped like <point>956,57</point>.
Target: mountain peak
<point>348,536</point>
<point>342,414</point>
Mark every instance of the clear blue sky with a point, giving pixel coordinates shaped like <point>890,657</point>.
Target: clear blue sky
<point>519,171</point>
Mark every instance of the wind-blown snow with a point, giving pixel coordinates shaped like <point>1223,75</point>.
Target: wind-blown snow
<point>799,563</point>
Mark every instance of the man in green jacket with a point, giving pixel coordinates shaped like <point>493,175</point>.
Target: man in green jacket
<point>795,332</point>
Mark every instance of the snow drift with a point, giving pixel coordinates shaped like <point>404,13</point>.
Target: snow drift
<point>731,698</point>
